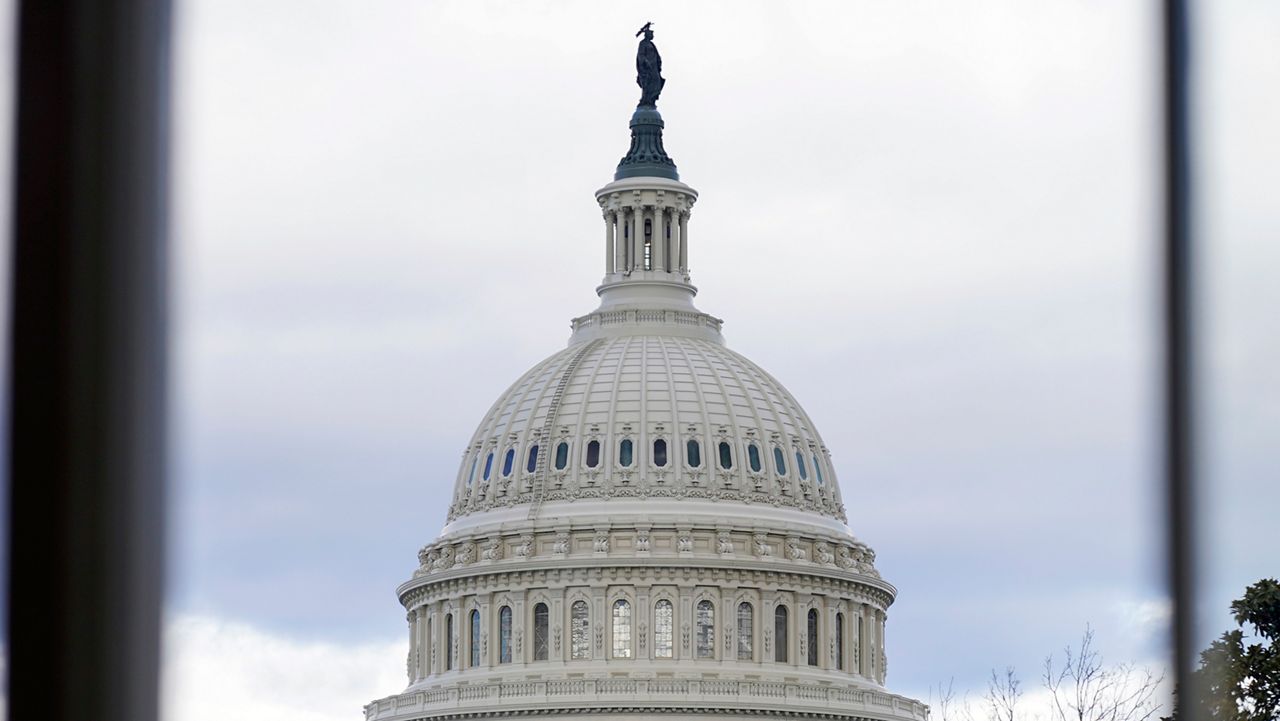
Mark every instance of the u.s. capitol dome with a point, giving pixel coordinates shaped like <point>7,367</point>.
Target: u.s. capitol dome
<point>646,522</point>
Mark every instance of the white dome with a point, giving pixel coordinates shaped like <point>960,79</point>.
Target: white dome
<point>701,422</point>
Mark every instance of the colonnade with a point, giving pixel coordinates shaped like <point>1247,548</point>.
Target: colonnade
<point>850,634</point>
<point>646,237</point>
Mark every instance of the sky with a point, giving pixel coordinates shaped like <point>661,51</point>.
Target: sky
<point>935,224</point>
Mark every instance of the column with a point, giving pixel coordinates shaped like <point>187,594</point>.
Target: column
<point>608,242</point>
<point>684,241</point>
<point>637,243</point>
<point>864,641</point>
<point>660,238</point>
<point>414,648</point>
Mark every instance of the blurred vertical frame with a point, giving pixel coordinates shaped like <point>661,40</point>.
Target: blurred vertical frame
<point>87,349</point>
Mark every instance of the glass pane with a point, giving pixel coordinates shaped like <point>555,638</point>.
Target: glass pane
<point>488,466</point>
<point>504,635</point>
<point>532,464</point>
<point>817,470</point>
<point>593,454</point>
<point>693,454</point>
<point>660,453</point>
<point>780,639</point>
<point>475,638</point>
<point>745,631</point>
<point>509,462</point>
<point>726,456</point>
<point>753,457</point>
<point>540,632</point>
<point>448,642</point>
<point>624,453</point>
<point>471,477</point>
<point>621,629</point>
<point>840,641</point>
<point>562,456</point>
<point>804,474</point>
<point>706,630</point>
<point>663,629</point>
<point>579,630</point>
<point>779,463</point>
<point>811,640</point>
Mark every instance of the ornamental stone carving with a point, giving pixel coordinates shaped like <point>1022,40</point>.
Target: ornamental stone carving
<point>643,629</point>
<point>466,554</point>
<point>556,636</point>
<point>642,540</point>
<point>445,559</point>
<point>724,544</point>
<point>561,544</point>
<point>684,636</point>
<point>762,547</point>
<point>599,638</point>
<point>822,553</point>
<point>794,550</point>
<point>602,542</point>
<point>525,548</point>
<point>484,645</point>
<point>685,543</point>
<point>844,557</point>
<point>518,636</point>
<point>492,550</point>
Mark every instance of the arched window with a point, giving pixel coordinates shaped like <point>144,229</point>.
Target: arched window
<point>475,638</point>
<point>660,453</point>
<point>504,635</point>
<point>753,457</point>
<point>706,620</point>
<point>726,456</point>
<point>780,634</point>
<point>663,629</point>
<point>593,454</point>
<point>811,636</point>
<point>622,629</point>
<point>448,642</point>
<point>431,640</point>
<point>562,455</point>
<point>804,472</point>
<point>540,632</point>
<point>488,465</point>
<point>532,464</point>
<point>746,626</point>
<point>625,450</point>
<point>840,641</point>
<point>508,462</point>
<point>579,630</point>
<point>693,454</point>
<point>817,469</point>
<point>779,462</point>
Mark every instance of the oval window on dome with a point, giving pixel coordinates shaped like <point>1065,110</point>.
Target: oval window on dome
<point>508,461</point>
<point>753,457</point>
<point>532,464</point>
<point>779,461</point>
<point>693,454</point>
<point>726,455</point>
<point>804,472</point>
<point>562,455</point>
<point>660,453</point>
<point>471,477</point>
<point>488,465</point>
<point>817,469</point>
<point>625,451</point>
<point>593,454</point>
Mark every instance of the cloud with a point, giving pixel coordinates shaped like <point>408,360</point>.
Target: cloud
<point>216,669</point>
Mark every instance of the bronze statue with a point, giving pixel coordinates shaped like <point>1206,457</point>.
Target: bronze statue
<point>648,68</point>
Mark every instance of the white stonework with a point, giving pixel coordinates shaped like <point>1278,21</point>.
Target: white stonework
<point>646,523</point>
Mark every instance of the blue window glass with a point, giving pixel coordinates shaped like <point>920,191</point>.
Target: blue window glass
<point>624,453</point>
<point>471,477</point>
<point>475,638</point>
<point>693,454</point>
<point>504,635</point>
<point>804,472</point>
<point>779,463</point>
<point>488,466</point>
<point>508,461</point>
<point>660,453</point>
<point>726,456</point>
<point>817,469</point>
<point>753,457</point>
<point>532,464</point>
<point>562,456</point>
<point>593,454</point>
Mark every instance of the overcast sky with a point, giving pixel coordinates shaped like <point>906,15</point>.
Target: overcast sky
<point>935,223</point>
